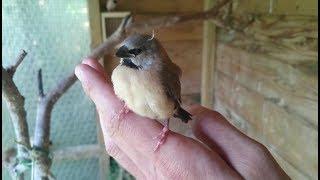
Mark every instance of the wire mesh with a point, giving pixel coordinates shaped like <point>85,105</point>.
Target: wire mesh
<point>55,33</point>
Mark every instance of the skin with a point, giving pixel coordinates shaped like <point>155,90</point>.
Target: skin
<point>221,151</point>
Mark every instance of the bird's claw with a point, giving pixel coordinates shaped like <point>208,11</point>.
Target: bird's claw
<point>162,137</point>
<point>122,112</point>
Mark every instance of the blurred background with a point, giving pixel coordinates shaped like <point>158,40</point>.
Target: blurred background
<point>267,87</point>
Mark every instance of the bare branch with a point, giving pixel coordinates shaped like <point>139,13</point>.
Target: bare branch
<point>40,84</point>
<point>168,21</point>
<point>12,69</point>
<point>108,46</point>
<point>15,104</point>
<point>13,165</point>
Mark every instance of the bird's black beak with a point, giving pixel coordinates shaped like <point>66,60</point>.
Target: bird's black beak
<point>123,52</point>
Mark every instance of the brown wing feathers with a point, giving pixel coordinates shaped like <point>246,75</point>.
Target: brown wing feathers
<point>171,82</point>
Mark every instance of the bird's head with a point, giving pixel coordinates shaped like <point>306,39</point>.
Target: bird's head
<point>138,51</point>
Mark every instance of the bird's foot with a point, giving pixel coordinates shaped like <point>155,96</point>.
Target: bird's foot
<point>162,137</point>
<point>122,112</point>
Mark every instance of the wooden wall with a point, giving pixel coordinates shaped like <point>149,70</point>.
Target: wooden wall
<point>250,93</point>
<point>268,88</point>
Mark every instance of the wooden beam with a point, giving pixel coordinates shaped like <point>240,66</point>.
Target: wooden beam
<point>94,23</point>
<point>77,152</point>
<point>208,59</point>
<point>96,39</point>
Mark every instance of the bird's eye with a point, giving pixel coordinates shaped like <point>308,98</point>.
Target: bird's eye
<point>135,51</point>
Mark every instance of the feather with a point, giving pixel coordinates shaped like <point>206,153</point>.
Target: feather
<point>170,80</point>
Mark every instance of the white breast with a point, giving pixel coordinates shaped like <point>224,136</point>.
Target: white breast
<point>142,92</point>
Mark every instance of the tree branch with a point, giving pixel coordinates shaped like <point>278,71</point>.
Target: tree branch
<point>12,69</point>
<point>167,21</point>
<point>15,104</point>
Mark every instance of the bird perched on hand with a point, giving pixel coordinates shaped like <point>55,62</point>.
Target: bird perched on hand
<point>148,81</point>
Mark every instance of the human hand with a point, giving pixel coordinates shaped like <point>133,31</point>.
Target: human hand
<point>225,152</point>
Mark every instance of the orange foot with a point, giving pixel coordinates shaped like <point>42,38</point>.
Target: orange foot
<point>162,136</point>
<point>122,112</point>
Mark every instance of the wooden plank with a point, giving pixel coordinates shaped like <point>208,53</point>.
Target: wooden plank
<point>254,69</point>
<point>208,58</point>
<point>156,6</point>
<point>292,139</point>
<point>237,120</point>
<point>271,79</point>
<point>297,7</point>
<point>249,6</point>
<point>94,23</point>
<point>184,31</point>
<point>292,171</point>
<point>245,102</point>
<point>96,39</point>
<point>277,7</point>
<point>290,39</point>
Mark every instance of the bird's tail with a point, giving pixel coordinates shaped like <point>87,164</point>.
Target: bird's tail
<point>182,114</point>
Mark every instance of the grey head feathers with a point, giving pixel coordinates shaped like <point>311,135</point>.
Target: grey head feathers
<point>136,41</point>
<point>141,51</point>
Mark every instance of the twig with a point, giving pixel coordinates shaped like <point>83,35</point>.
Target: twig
<point>40,84</point>
<point>12,69</point>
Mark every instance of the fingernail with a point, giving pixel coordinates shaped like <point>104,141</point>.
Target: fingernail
<point>78,72</point>
<point>85,60</point>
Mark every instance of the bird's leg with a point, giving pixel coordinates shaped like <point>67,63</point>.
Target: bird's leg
<point>124,110</point>
<point>163,135</point>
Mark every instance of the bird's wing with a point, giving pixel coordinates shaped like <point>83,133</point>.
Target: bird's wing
<point>170,79</point>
